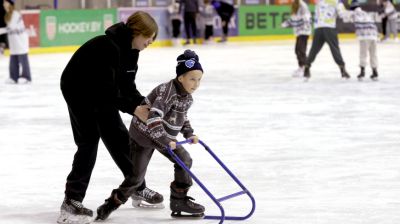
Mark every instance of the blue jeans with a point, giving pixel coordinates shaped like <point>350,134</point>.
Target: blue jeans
<point>15,61</point>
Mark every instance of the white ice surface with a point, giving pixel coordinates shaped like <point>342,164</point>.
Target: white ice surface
<point>325,151</point>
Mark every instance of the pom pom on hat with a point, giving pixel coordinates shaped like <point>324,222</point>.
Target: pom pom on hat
<point>187,61</point>
<point>354,4</point>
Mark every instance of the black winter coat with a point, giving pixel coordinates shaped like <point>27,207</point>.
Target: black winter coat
<point>102,71</point>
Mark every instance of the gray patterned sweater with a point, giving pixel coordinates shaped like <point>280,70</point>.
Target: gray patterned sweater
<point>169,104</point>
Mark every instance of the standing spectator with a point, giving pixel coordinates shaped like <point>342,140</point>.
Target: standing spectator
<point>18,43</point>
<point>367,34</point>
<point>97,83</point>
<point>391,24</point>
<point>176,21</point>
<point>225,11</point>
<point>208,15</point>
<point>300,20</point>
<point>326,12</point>
<point>381,13</point>
<point>190,11</point>
<point>3,37</point>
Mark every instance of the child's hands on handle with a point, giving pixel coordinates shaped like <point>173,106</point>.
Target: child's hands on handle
<point>194,139</point>
<point>172,145</point>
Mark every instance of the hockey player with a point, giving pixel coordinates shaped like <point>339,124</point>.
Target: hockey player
<point>98,83</point>
<point>300,20</point>
<point>367,34</point>
<point>169,104</point>
<point>326,12</point>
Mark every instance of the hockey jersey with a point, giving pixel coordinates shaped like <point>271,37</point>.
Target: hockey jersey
<point>364,24</point>
<point>301,21</point>
<point>326,12</point>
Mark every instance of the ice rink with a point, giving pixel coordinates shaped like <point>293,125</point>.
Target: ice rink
<point>325,151</point>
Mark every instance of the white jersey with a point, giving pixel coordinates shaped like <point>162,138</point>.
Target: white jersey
<point>326,12</point>
<point>301,21</point>
<point>18,39</point>
<point>364,24</point>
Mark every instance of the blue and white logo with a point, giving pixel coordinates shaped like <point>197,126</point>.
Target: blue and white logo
<point>190,63</point>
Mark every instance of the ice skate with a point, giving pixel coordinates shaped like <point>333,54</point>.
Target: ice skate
<point>344,73</point>
<point>374,75</point>
<point>23,80</point>
<point>361,76</point>
<point>298,72</point>
<point>110,205</point>
<point>73,212</point>
<point>306,73</point>
<point>10,81</point>
<point>181,203</point>
<point>147,198</point>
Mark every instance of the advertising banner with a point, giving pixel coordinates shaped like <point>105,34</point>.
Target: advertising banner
<point>264,20</point>
<point>31,20</point>
<point>73,27</point>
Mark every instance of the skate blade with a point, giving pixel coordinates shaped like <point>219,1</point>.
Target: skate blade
<point>179,215</point>
<point>143,204</point>
<point>68,218</point>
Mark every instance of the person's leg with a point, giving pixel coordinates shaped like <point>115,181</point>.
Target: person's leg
<point>86,138</point>
<point>331,38</point>
<point>186,21</point>
<point>14,67</point>
<point>193,26</point>
<point>316,46</point>
<point>26,71</point>
<point>373,60</point>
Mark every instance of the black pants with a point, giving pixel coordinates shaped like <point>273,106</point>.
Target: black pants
<point>89,124</point>
<point>209,32</point>
<point>328,35</point>
<point>190,24</point>
<point>16,62</point>
<point>384,21</point>
<point>176,28</point>
<point>300,49</point>
<point>141,156</point>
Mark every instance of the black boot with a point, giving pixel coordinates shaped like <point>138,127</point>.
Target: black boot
<point>110,205</point>
<point>362,74</point>
<point>374,75</point>
<point>307,74</point>
<point>344,73</point>
<point>180,202</point>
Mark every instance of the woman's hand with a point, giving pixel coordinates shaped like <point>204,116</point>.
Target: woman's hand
<point>142,112</point>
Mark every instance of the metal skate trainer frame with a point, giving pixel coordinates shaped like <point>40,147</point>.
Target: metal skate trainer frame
<point>222,217</point>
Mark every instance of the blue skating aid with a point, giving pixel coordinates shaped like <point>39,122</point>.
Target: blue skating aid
<point>221,217</point>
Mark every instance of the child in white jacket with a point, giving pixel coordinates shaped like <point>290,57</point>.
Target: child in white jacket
<point>367,34</point>
<point>300,20</point>
<point>391,25</point>
<point>18,44</point>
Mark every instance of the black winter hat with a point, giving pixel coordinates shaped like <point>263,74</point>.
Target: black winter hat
<point>187,61</point>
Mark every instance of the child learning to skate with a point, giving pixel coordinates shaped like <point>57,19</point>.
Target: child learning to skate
<point>367,34</point>
<point>300,20</point>
<point>169,103</point>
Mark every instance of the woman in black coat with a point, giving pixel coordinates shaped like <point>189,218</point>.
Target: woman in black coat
<point>97,83</point>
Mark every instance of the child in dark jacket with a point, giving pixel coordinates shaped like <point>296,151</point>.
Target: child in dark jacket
<point>169,103</point>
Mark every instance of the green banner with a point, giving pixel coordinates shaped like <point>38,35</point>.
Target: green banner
<point>73,27</point>
<point>264,20</point>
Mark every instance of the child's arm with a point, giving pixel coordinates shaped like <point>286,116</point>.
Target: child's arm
<point>3,30</point>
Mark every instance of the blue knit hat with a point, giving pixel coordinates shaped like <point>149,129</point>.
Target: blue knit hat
<point>187,61</point>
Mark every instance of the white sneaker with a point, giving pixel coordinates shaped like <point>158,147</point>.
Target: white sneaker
<point>298,72</point>
<point>10,81</point>
<point>23,80</point>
